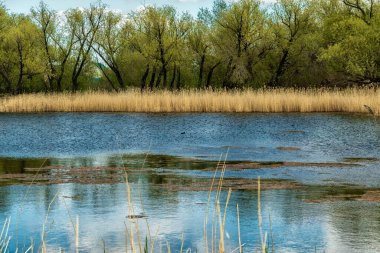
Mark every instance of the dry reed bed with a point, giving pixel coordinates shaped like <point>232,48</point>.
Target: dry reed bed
<point>279,100</point>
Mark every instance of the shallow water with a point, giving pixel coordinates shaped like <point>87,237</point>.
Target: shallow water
<point>344,226</point>
<point>182,146</point>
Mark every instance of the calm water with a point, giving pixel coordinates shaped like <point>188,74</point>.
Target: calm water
<point>99,139</point>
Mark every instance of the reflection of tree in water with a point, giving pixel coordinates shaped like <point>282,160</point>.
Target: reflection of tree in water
<point>98,198</point>
<point>164,161</point>
<point>13,166</point>
<point>47,194</point>
<point>6,200</point>
<point>289,206</point>
<point>151,191</point>
<point>356,222</point>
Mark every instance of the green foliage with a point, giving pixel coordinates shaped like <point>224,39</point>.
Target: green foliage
<point>235,44</point>
<point>353,49</point>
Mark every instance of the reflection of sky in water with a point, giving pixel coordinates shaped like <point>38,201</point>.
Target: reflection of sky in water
<point>297,226</point>
<point>322,137</point>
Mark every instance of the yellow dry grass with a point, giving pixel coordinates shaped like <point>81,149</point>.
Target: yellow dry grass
<point>279,100</point>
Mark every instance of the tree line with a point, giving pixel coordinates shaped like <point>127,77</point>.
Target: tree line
<point>233,45</point>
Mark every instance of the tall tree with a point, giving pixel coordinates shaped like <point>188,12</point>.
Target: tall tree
<point>111,40</point>
<point>164,31</point>
<point>239,30</point>
<point>57,42</point>
<point>351,46</point>
<point>84,24</point>
<point>20,56</point>
<point>293,20</point>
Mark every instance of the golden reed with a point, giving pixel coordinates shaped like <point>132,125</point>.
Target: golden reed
<point>351,100</point>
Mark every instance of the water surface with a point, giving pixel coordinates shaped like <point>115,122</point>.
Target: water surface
<point>326,212</point>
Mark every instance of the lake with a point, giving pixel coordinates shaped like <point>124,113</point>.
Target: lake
<point>320,180</point>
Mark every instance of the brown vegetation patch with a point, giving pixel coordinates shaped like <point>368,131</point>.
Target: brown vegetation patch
<point>204,184</point>
<point>61,174</point>
<point>110,175</point>
<point>106,174</point>
<point>334,198</point>
<point>352,194</point>
<point>360,159</point>
<point>288,148</point>
<point>263,165</point>
<point>371,196</point>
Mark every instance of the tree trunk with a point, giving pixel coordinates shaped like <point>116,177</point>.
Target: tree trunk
<point>59,83</point>
<point>179,79</point>
<point>108,78</point>
<point>201,67</point>
<point>119,78</point>
<point>152,79</point>
<point>158,81</point>
<point>51,75</point>
<point>227,83</point>
<point>165,74</point>
<point>173,79</point>
<point>281,68</point>
<point>209,75</point>
<point>144,78</point>
<point>75,83</point>
<point>21,68</point>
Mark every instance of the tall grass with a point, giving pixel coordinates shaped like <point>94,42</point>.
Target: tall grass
<point>351,100</point>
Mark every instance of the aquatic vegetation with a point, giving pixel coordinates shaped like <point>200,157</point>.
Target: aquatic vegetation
<point>351,100</point>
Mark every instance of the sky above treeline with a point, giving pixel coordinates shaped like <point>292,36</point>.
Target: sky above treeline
<point>24,6</point>
<point>125,6</point>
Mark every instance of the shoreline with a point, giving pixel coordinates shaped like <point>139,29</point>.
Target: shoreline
<point>351,100</point>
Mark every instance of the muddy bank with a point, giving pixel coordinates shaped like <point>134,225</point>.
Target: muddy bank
<point>111,175</point>
<point>189,184</point>
<point>269,165</point>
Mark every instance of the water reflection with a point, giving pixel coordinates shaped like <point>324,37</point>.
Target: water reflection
<point>110,169</point>
<point>297,225</point>
<point>323,209</point>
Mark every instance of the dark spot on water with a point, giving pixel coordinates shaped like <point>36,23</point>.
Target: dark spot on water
<point>136,216</point>
<point>289,148</point>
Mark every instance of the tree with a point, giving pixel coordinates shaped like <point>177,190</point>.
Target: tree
<point>351,50</point>
<point>111,40</point>
<point>206,61</point>
<point>84,25</point>
<point>57,41</point>
<point>362,9</point>
<point>294,21</point>
<point>19,53</point>
<point>163,32</point>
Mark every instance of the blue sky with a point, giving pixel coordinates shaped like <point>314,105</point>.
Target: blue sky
<point>23,6</point>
